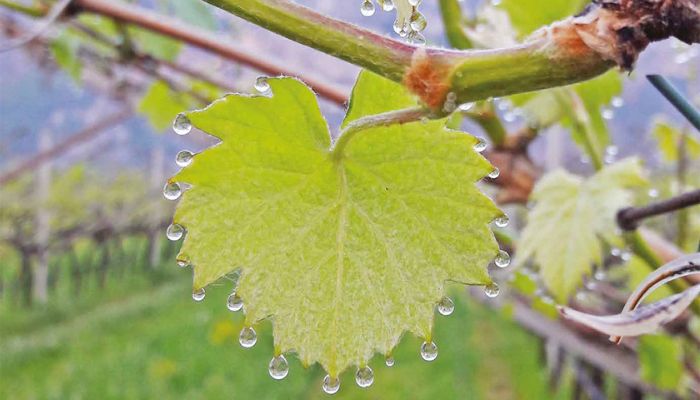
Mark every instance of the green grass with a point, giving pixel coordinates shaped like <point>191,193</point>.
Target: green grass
<point>156,343</point>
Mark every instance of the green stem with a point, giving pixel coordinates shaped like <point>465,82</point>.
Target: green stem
<point>683,105</point>
<point>367,49</point>
<point>452,20</point>
<point>488,120</point>
<point>431,73</point>
<point>486,117</point>
<point>574,108</point>
<point>372,121</point>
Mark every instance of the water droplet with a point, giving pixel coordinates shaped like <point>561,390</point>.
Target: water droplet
<point>502,221</point>
<point>278,367</point>
<point>175,232</point>
<point>495,173</point>
<point>446,306</point>
<point>600,275</point>
<point>388,5</point>
<point>612,150</point>
<point>331,385</point>
<point>480,145</point>
<point>184,158</point>
<point>389,361</point>
<point>428,351</point>
<point>653,193</point>
<point>464,107</point>
<point>248,337</point>
<point>183,263</point>
<point>400,27</point>
<point>418,22</point>
<point>492,290</point>
<point>502,260</point>
<point>172,191</point>
<point>234,302</point>
<point>617,102</point>
<point>182,125</point>
<point>199,294</point>
<point>414,3</point>
<point>364,377</point>
<point>367,9</point>
<point>607,113</point>
<point>626,255</point>
<point>615,252</point>
<point>416,38</point>
<point>261,85</point>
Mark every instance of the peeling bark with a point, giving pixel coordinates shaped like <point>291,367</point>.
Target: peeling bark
<point>619,30</point>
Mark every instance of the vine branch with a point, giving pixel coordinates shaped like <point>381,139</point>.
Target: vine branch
<point>629,218</point>
<point>607,33</point>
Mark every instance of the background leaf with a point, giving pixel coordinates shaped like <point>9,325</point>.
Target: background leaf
<point>571,215</point>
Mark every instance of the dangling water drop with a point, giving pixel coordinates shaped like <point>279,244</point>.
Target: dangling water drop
<point>418,22</point>
<point>495,173</point>
<point>414,3</point>
<point>401,27</point>
<point>175,232</point>
<point>172,191</point>
<point>388,5</point>
<point>480,145</point>
<point>446,306</point>
<point>234,302</point>
<point>389,361</point>
<point>261,85</point>
<point>502,221</point>
<point>199,294</point>
<point>278,367</point>
<point>248,337</point>
<point>364,377</point>
<point>331,385</point>
<point>416,37</point>
<point>182,125</point>
<point>429,351</point>
<point>502,260</point>
<point>617,102</point>
<point>492,290</point>
<point>367,9</point>
<point>184,158</point>
<point>183,263</point>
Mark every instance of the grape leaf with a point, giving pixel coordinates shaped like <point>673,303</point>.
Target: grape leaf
<point>343,249</point>
<point>660,361</point>
<point>160,105</point>
<point>563,234</point>
<point>669,138</point>
<point>530,15</point>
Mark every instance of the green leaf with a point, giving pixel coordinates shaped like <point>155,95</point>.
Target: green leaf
<point>194,12</point>
<point>65,51</point>
<point>530,15</point>
<point>344,249</point>
<point>660,359</point>
<point>158,46</point>
<point>669,139</point>
<point>160,105</point>
<point>571,215</point>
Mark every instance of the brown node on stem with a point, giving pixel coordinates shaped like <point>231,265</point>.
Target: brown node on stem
<point>428,78</point>
<point>619,30</point>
